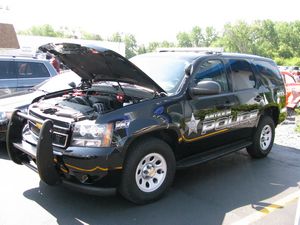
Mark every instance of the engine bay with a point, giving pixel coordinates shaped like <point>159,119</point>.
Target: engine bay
<point>90,103</point>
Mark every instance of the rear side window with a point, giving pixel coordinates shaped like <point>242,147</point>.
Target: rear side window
<point>269,72</point>
<point>32,70</point>
<point>241,74</point>
<point>212,70</point>
<point>5,70</point>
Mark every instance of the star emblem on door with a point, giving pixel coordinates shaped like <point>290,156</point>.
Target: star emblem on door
<point>192,125</point>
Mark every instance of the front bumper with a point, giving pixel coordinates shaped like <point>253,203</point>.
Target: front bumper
<point>85,169</point>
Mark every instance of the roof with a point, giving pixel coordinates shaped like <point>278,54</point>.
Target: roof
<point>21,58</point>
<point>190,55</point>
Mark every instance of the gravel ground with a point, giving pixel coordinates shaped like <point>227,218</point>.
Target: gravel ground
<point>286,135</point>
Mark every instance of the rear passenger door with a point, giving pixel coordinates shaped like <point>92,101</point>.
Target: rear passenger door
<point>8,79</point>
<point>30,74</point>
<point>244,85</point>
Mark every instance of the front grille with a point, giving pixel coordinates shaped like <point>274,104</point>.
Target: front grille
<point>62,124</point>
<point>60,136</point>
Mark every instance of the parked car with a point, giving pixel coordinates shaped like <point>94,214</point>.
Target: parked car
<point>295,70</point>
<point>21,100</point>
<point>292,86</point>
<point>21,73</point>
<point>130,130</point>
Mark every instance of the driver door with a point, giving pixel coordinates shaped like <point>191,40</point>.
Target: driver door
<point>208,117</point>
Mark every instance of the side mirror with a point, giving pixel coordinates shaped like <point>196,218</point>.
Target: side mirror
<point>206,88</point>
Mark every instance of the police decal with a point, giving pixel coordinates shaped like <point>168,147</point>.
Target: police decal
<point>219,121</point>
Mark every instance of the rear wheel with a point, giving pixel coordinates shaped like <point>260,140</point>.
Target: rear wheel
<point>263,138</point>
<point>148,172</point>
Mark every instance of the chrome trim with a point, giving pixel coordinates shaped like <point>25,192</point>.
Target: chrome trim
<point>54,132</point>
<point>50,117</point>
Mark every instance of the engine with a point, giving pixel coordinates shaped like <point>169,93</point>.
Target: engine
<point>82,104</point>
<point>98,103</point>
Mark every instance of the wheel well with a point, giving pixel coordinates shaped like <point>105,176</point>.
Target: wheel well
<point>168,136</point>
<point>273,112</point>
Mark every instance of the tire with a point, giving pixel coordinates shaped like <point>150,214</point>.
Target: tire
<point>148,171</point>
<point>263,138</point>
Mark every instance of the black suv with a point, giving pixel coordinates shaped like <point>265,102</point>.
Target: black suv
<point>122,128</point>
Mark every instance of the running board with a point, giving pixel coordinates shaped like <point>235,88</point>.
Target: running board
<point>211,154</point>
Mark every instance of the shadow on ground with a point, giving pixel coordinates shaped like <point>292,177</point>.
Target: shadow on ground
<point>199,195</point>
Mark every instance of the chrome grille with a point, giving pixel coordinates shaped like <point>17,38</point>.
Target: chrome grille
<point>59,139</point>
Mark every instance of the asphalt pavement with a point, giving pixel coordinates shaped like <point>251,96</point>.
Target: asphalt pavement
<point>232,190</point>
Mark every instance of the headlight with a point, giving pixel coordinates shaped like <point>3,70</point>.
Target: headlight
<point>3,117</point>
<point>92,135</point>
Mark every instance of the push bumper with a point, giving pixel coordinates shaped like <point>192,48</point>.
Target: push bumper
<point>80,168</point>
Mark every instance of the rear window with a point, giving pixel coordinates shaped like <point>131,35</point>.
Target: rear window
<point>32,70</point>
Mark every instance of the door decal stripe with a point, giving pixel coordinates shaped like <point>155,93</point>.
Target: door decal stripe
<point>200,137</point>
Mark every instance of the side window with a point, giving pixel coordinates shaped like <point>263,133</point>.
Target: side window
<point>39,70</point>
<point>241,74</point>
<point>5,70</point>
<point>212,70</point>
<point>269,72</point>
<point>32,70</point>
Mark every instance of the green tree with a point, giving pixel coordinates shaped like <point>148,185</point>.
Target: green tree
<point>130,45</point>
<point>209,37</point>
<point>91,36</point>
<point>141,49</point>
<point>184,40</point>
<point>131,48</point>
<point>265,37</point>
<point>196,37</point>
<point>166,44</point>
<point>43,30</point>
<point>152,46</point>
<point>238,38</point>
<point>116,37</point>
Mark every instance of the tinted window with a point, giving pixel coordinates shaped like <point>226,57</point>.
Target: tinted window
<point>32,70</point>
<point>269,72</point>
<point>212,70</point>
<point>5,72</point>
<point>241,74</point>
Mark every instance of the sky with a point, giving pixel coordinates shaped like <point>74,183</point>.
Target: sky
<point>154,20</point>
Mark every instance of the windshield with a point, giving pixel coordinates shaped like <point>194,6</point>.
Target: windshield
<point>59,82</point>
<point>166,72</point>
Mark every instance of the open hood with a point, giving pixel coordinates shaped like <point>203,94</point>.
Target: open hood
<point>99,64</point>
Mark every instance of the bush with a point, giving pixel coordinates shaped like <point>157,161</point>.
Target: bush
<point>295,61</point>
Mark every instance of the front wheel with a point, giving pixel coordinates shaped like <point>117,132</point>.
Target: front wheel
<point>148,172</point>
<point>263,138</point>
